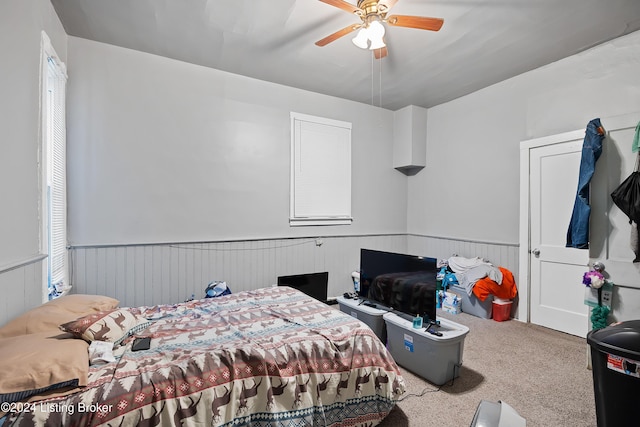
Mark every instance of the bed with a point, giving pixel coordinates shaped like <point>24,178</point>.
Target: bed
<point>268,357</point>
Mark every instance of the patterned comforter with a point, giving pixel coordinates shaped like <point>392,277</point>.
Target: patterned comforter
<point>270,357</point>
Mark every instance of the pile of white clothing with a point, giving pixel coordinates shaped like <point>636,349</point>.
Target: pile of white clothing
<point>469,270</point>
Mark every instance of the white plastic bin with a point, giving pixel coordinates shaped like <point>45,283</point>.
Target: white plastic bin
<point>435,358</point>
<point>472,305</point>
<point>371,316</point>
<point>496,414</point>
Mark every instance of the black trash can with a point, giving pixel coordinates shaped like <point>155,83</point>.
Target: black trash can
<point>615,357</point>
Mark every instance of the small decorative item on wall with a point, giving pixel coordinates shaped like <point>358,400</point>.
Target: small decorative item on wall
<point>593,279</point>
<point>598,294</point>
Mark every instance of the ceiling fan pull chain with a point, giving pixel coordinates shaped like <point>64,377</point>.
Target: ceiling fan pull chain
<point>380,83</point>
<point>372,83</point>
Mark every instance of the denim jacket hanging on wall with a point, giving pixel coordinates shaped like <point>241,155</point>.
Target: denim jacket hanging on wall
<point>578,233</point>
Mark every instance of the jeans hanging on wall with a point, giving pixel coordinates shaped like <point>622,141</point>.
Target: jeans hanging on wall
<point>578,233</point>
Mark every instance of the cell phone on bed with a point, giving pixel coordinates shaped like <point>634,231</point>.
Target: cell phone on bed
<point>142,343</point>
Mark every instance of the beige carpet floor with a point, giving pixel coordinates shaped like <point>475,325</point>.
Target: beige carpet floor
<point>539,372</point>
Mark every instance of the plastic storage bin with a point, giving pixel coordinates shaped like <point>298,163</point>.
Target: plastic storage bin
<point>615,357</point>
<point>472,305</point>
<point>371,316</point>
<point>501,309</point>
<point>496,414</point>
<point>434,358</point>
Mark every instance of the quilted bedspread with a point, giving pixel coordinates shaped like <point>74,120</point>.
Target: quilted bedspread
<point>269,357</point>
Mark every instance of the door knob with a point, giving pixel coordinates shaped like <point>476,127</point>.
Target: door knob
<point>536,251</point>
<point>598,266</point>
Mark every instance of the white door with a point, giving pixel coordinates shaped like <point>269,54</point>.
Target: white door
<point>551,290</point>
<point>557,293</point>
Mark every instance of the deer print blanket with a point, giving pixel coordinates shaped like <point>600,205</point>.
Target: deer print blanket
<point>269,357</point>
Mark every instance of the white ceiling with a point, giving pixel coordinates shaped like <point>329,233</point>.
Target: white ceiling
<point>481,42</point>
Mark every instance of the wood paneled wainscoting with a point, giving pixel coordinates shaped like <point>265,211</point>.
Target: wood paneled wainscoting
<point>499,254</point>
<point>168,273</point>
<point>21,287</point>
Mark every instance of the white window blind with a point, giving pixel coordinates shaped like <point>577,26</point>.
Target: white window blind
<point>320,171</point>
<point>54,168</point>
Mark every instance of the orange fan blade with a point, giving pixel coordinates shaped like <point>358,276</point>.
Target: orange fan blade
<point>385,5</point>
<point>380,53</point>
<point>341,4</point>
<point>419,22</point>
<point>335,36</point>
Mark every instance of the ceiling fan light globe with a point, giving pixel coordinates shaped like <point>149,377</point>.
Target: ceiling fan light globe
<point>376,30</point>
<point>361,39</point>
<point>377,44</point>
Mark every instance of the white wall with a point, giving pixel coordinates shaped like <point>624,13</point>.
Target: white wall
<point>206,158</point>
<point>165,151</point>
<point>470,186</point>
<point>21,23</point>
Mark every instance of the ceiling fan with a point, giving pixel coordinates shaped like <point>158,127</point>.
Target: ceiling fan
<point>373,13</point>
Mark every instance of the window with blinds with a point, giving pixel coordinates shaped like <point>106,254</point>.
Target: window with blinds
<point>53,167</point>
<point>320,171</point>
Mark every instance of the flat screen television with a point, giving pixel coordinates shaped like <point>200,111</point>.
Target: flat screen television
<point>312,284</point>
<point>405,283</point>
